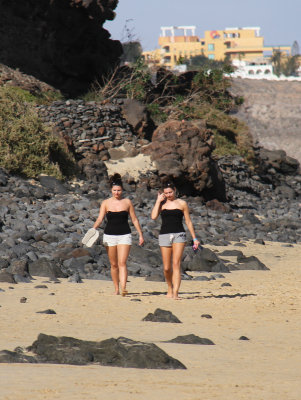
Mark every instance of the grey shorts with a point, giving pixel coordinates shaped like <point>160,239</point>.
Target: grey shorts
<point>115,240</point>
<point>167,239</point>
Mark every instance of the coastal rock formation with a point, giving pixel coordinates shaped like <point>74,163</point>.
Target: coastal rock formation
<point>121,352</point>
<point>182,151</point>
<point>272,111</point>
<point>60,42</point>
<point>108,138</point>
<point>41,230</point>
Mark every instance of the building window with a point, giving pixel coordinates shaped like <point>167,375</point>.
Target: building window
<point>210,47</point>
<point>211,56</point>
<point>203,43</point>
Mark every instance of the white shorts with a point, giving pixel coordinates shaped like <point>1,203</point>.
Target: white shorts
<point>114,240</point>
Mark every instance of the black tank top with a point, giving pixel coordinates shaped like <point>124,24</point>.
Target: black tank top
<point>117,223</point>
<point>172,221</point>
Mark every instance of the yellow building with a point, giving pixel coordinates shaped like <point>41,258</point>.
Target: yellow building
<point>177,43</point>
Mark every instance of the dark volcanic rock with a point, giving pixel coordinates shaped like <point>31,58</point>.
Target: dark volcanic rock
<point>182,150</point>
<point>191,339</point>
<point>44,267</point>
<point>251,262</point>
<point>243,338</point>
<point>53,184</point>
<point>208,316</point>
<point>60,42</point>
<point>231,253</point>
<point>121,352</point>
<point>75,278</point>
<point>7,356</point>
<point>205,260</point>
<point>161,316</point>
<point>6,276</point>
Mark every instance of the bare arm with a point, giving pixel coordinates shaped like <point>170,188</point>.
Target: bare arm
<point>101,215</point>
<point>157,207</point>
<point>189,223</point>
<point>136,223</point>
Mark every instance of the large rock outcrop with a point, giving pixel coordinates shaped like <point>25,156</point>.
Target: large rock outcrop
<point>272,111</point>
<point>121,352</point>
<point>182,151</point>
<point>60,42</point>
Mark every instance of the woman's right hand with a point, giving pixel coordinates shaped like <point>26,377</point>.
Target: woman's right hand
<point>161,197</point>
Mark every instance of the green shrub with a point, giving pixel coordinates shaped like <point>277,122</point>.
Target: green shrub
<point>37,97</point>
<point>27,147</point>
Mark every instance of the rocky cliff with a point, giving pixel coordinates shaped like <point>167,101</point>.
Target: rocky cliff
<point>272,110</point>
<point>60,42</point>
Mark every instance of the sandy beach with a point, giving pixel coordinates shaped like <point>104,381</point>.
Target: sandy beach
<point>265,367</point>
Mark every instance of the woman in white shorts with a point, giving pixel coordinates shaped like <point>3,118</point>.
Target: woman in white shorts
<point>117,237</point>
<point>172,237</point>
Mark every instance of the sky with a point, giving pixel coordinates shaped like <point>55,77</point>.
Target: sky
<point>279,20</point>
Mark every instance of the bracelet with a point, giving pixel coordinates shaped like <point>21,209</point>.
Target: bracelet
<point>195,239</point>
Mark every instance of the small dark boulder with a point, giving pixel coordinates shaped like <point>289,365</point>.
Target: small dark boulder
<point>162,316</point>
<point>6,276</point>
<point>208,316</point>
<point>53,184</point>
<point>243,338</point>
<point>205,260</point>
<point>231,253</point>
<point>48,311</point>
<point>259,241</point>
<point>45,267</point>
<point>191,339</point>
<point>75,278</point>
<point>250,263</point>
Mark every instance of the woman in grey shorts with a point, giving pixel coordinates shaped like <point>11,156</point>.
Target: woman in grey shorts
<point>117,237</point>
<point>172,237</point>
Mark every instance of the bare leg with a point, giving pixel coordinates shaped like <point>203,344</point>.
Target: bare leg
<point>123,251</point>
<point>112,254</point>
<point>166,258</point>
<point>177,252</point>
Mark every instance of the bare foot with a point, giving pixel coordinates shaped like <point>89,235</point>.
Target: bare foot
<point>176,297</point>
<point>124,292</point>
<point>169,293</point>
<point>117,292</point>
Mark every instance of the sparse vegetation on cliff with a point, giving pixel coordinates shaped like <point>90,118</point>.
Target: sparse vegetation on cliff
<point>201,94</point>
<point>27,147</point>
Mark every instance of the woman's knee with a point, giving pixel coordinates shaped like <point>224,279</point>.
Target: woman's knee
<point>176,264</point>
<point>114,265</point>
<point>167,268</point>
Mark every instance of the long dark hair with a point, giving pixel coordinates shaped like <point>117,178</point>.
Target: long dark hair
<point>115,180</point>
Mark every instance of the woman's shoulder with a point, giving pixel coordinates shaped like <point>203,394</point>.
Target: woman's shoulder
<point>182,203</point>
<point>127,201</point>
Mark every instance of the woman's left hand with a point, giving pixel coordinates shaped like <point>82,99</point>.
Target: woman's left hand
<point>141,240</point>
<point>196,244</point>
